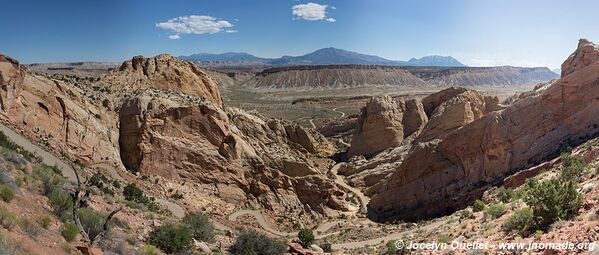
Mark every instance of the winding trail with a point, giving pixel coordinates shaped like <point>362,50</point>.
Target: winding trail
<point>339,180</point>
<point>179,212</point>
<point>342,113</point>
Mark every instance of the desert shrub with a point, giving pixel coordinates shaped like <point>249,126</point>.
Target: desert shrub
<point>6,193</point>
<point>327,247</point>
<point>135,194</point>
<point>61,203</point>
<point>29,227</point>
<point>572,167</point>
<point>478,206</point>
<point>306,236</point>
<point>465,214</point>
<point>200,226</point>
<point>148,249</point>
<point>552,200</point>
<point>69,231</point>
<point>49,176</point>
<point>494,211</point>
<point>254,243</point>
<point>505,195</point>
<point>92,221</point>
<point>171,237</point>
<point>45,222</point>
<point>100,181</point>
<point>521,221</point>
<point>7,218</point>
<point>6,248</point>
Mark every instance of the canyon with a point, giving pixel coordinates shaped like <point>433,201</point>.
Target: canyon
<point>385,167</point>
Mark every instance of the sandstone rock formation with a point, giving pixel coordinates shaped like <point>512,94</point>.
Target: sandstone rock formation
<point>446,174</point>
<point>165,72</point>
<point>245,156</point>
<point>57,115</point>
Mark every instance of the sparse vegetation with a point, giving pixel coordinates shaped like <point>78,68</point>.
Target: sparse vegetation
<point>200,226</point>
<point>135,194</point>
<point>7,218</point>
<point>171,237</point>
<point>61,203</point>
<point>478,205</point>
<point>254,243</point>
<point>45,222</point>
<point>92,222</point>
<point>521,222</point>
<point>572,167</point>
<point>505,195</point>
<point>494,211</point>
<point>29,227</point>
<point>6,193</point>
<point>69,231</point>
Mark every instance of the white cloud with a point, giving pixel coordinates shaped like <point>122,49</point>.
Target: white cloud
<point>311,12</point>
<point>194,24</point>
<point>174,37</point>
<point>230,31</point>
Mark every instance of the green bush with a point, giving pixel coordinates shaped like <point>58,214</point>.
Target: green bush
<point>572,167</point>
<point>552,200</point>
<point>465,214</point>
<point>254,243</point>
<point>6,193</point>
<point>171,237</point>
<point>148,249</point>
<point>49,176</point>
<point>306,236</point>
<point>327,247</point>
<point>45,222</point>
<point>135,194</point>
<point>478,206</point>
<point>69,231</point>
<point>200,226</point>
<point>61,203</point>
<point>92,221</point>
<point>505,195</point>
<point>494,211</point>
<point>521,221</point>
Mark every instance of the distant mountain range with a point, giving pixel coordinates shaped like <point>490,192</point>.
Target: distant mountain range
<point>326,56</point>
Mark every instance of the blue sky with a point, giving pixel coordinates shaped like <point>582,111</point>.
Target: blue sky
<point>477,32</point>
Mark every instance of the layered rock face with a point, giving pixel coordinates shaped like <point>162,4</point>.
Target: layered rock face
<point>57,115</point>
<point>385,122</point>
<point>165,72</point>
<point>445,174</point>
<point>246,157</point>
<point>407,122</point>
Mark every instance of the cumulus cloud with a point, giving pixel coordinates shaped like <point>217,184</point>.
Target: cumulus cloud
<point>194,24</point>
<point>311,12</point>
<point>174,37</point>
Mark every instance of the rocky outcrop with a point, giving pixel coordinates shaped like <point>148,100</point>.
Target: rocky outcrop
<point>246,157</point>
<point>380,126</point>
<point>55,114</point>
<point>453,108</point>
<point>446,174</point>
<point>164,72</point>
